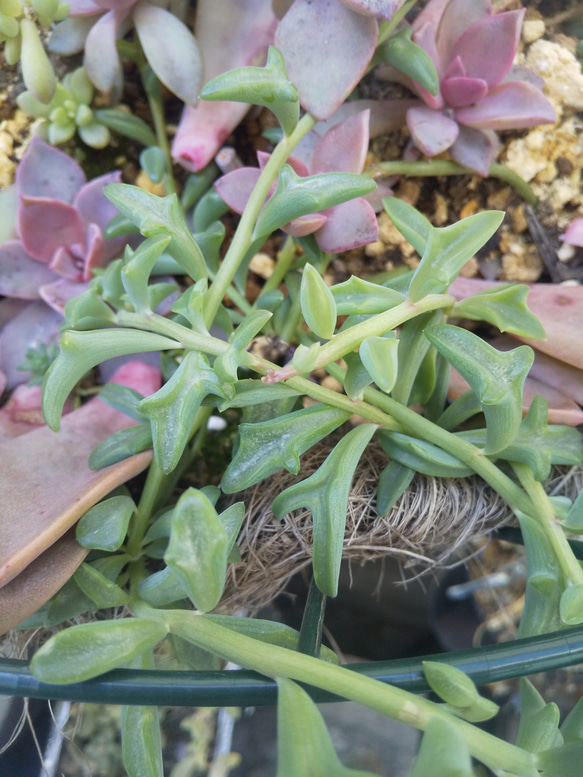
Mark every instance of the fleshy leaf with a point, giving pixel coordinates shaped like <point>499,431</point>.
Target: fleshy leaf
<point>443,752</point>
<point>160,215</point>
<point>571,606</point>
<point>136,271</point>
<point>303,742</point>
<point>141,739</point>
<point>270,445</point>
<point>268,86</point>
<point>411,224</point>
<point>357,296</point>
<point>505,307</point>
<point>173,408</point>
<point>539,722</point>
<point>317,302</point>
<point>565,760</point>
<point>297,196</point>
<point>99,588</point>
<point>325,493</point>
<point>91,649</point>
<point>104,527</point>
<point>127,124</point>
<point>422,456</point>
<point>497,379</point>
<point>81,351</point>
<point>448,249</point>
<point>357,377</point>
<point>121,445</point>
<point>198,549</point>
<point>406,56</point>
<point>394,480</point>
<point>380,357</point>
<point>37,71</point>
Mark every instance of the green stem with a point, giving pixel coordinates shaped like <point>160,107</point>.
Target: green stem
<point>545,516</point>
<point>152,487</point>
<point>312,622</point>
<point>243,236</point>
<point>433,167</point>
<point>284,262</point>
<point>469,454</point>
<point>345,342</point>
<point>394,702</point>
<point>157,111</point>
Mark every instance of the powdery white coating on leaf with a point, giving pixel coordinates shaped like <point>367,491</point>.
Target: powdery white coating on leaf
<point>348,225</point>
<point>336,47</point>
<point>432,131</point>
<point>344,147</point>
<point>511,105</point>
<point>101,58</point>
<point>385,9</point>
<point>44,171</point>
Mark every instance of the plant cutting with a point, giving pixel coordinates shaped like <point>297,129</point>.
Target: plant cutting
<point>164,555</point>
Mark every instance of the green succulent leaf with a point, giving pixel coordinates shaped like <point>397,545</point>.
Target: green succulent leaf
<point>448,249</point>
<point>198,549</point>
<point>118,226</point>
<point>357,376</point>
<point>190,304</point>
<point>127,124</point>
<point>173,409</point>
<point>379,355</point>
<point>254,392</point>
<point>572,727</point>
<point>81,652</point>
<point>160,216</point>
<point>37,71</point>
<point>573,521</point>
<point>464,407</point>
<point>297,196</point>
<point>303,742</point>
<point>544,585</point>
<point>539,722</point>
<point>414,348</point>
<point>357,296</point>
<point>325,493</point>
<point>400,52</point>
<point>122,398</point>
<point>80,352</point>
<point>135,273</point>
<point>571,605</point>
<point>121,445</point>
<point>249,328</point>
<point>411,224</point>
<point>104,592</point>
<point>564,761</point>
<point>104,526</point>
<point>394,480</point>
<point>496,377</point>
<point>266,447</point>
<point>504,307</point>
<point>458,691</point>
<point>110,285</point>
<point>305,358</point>
<point>197,184</point>
<point>141,740</point>
<point>153,163</point>
<point>88,311</point>
<point>443,752</point>
<point>422,456</point>
<point>317,302</point>
<point>268,86</point>
<point>208,210</point>
<point>162,588</point>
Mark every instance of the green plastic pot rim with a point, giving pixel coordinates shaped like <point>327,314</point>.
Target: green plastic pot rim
<point>245,688</point>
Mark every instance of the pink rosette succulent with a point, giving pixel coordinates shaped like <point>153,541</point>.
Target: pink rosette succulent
<point>480,90</point>
<point>96,25</point>
<point>60,219</point>
<point>342,149</point>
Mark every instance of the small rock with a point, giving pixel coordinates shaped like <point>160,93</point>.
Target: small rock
<point>262,265</point>
<point>561,71</point>
<point>331,383</point>
<point>146,183</point>
<point>440,215</point>
<point>469,208</point>
<point>532,30</point>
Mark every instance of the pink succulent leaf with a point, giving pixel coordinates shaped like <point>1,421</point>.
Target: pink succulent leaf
<point>455,18</point>
<point>179,66</point>
<point>343,148</point>
<point>84,8</point>
<point>296,164</point>
<point>69,36</point>
<point>92,204</point>
<point>455,69</point>
<point>34,325</point>
<point>101,58</point>
<point>424,37</point>
<point>385,9</point>
<point>488,47</point>
<point>20,274</point>
<point>432,131</point>
<point>116,5</point>
<point>348,225</point>
<point>95,252</point>
<point>235,188</point>
<point>574,233</point>
<point>305,225</point>
<point>460,91</point>
<point>10,307</point>
<point>44,171</point>
<point>385,115</point>
<point>68,488</point>
<point>66,264</point>
<point>431,14</point>
<point>45,224</point>
<point>22,413</point>
<point>326,48</point>
<point>57,294</point>
<point>523,73</point>
<point>3,381</point>
<point>375,199</point>
<point>204,129</point>
<point>511,105</point>
<point>475,149</point>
